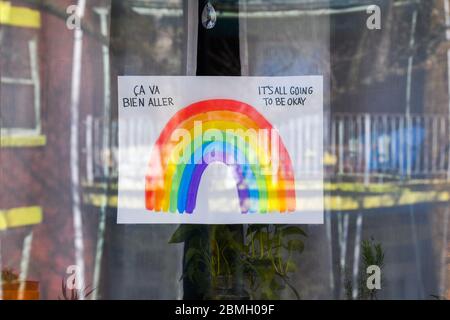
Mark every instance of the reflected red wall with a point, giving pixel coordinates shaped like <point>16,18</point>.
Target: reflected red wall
<point>40,176</point>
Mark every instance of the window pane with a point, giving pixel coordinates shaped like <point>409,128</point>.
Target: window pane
<point>385,136</point>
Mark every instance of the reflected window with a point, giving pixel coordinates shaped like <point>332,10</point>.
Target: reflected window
<point>20,78</point>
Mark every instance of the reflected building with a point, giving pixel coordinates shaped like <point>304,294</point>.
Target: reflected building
<point>386,135</point>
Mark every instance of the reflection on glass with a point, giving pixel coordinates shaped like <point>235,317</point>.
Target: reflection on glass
<point>386,156</point>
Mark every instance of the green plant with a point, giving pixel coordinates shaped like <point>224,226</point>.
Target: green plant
<point>268,258</point>
<point>8,275</point>
<point>372,253</point>
<point>74,294</point>
<point>262,257</point>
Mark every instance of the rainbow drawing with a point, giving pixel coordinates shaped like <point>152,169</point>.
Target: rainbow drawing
<point>265,181</point>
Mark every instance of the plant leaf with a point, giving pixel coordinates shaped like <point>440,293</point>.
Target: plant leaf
<point>291,230</point>
<point>296,245</point>
<point>182,233</point>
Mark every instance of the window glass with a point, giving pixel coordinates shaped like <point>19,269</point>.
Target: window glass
<point>386,138</point>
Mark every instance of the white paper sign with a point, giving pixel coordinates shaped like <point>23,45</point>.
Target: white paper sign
<point>220,150</point>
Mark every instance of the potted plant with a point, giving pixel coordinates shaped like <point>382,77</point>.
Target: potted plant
<point>223,265</point>
<point>14,289</point>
